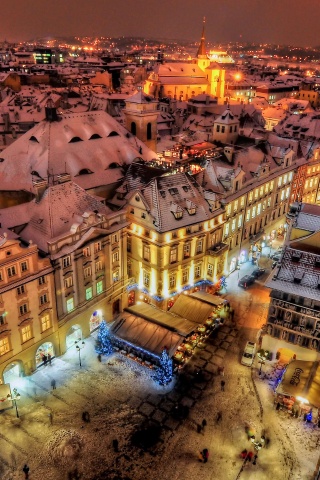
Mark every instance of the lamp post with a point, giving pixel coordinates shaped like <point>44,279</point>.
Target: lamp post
<point>14,396</point>
<point>79,348</point>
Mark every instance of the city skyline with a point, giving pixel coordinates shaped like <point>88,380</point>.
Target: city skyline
<point>287,22</point>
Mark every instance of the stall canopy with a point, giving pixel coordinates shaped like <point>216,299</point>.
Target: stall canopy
<point>302,379</point>
<point>192,309</point>
<point>208,298</point>
<point>166,319</point>
<point>145,335</point>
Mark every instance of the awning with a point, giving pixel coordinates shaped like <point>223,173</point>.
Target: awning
<point>208,298</point>
<point>302,379</point>
<point>145,335</point>
<point>195,310</point>
<point>166,319</point>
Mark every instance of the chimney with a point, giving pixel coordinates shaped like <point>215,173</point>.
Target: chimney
<point>51,111</point>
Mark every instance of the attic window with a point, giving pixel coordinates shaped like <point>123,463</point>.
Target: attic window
<point>296,257</point>
<point>192,210</point>
<point>173,191</point>
<point>114,165</point>
<point>1,160</point>
<point>186,188</point>
<point>94,136</point>
<point>75,139</point>
<point>113,134</point>
<point>177,214</point>
<point>317,262</point>
<point>298,276</point>
<point>163,193</point>
<point>33,139</point>
<point>84,171</point>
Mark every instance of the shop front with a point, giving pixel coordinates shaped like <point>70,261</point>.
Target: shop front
<point>298,389</point>
<point>45,351</point>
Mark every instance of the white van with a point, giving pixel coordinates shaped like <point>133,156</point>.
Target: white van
<point>248,354</point>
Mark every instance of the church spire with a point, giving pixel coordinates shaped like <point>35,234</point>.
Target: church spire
<point>202,47</point>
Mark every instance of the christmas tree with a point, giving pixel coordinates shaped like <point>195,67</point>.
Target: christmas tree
<point>164,372</point>
<point>104,345</point>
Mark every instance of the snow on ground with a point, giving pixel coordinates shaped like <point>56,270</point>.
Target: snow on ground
<point>125,404</point>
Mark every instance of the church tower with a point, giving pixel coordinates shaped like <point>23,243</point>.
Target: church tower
<point>141,118</point>
<point>202,58</point>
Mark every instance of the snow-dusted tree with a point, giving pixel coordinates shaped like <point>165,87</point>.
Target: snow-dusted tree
<point>103,344</point>
<point>164,372</point>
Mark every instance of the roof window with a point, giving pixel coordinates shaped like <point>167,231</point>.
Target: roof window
<point>113,134</point>
<point>94,136</point>
<point>75,139</point>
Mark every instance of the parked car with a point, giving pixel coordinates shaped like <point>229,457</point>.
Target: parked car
<point>246,281</point>
<point>248,354</point>
<point>257,272</point>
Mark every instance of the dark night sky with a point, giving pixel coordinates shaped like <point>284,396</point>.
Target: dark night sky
<point>294,22</point>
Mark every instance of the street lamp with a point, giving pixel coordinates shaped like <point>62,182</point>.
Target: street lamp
<point>14,396</point>
<point>79,348</point>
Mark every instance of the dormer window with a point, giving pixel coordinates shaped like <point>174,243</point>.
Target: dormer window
<point>75,140</point>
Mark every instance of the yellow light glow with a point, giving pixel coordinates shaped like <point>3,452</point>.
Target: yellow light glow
<point>168,237</point>
<point>153,282</point>
<point>302,400</point>
<point>238,76</point>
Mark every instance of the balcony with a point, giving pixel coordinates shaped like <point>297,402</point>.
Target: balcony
<point>217,250</point>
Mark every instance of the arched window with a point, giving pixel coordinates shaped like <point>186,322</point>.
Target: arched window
<point>114,134</point>
<point>149,131</point>
<point>75,139</point>
<point>133,128</point>
<point>94,136</point>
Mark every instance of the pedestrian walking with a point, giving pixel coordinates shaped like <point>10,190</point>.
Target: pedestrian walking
<point>205,455</point>
<point>222,383</point>
<point>267,443</point>
<point>50,418</point>
<point>219,417</point>
<point>262,441</point>
<point>53,384</point>
<point>244,453</point>
<point>45,359</point>
<point>115,445</point>
<point>26,470</point>
<point>86,417</point>
<point>255,459</point>
<point>49,358</point>
<point>99,358</point>
<point>249,456</point>
<point>204,423</point>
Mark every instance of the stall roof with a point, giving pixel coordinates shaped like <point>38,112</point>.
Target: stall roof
<point>208,298</point>
<point>192,309</point>
<point>302,379</point>
<point>145,335</point>
<point>167,319</point>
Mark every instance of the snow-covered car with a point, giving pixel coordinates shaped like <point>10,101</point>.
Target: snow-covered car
<point>248,354</point>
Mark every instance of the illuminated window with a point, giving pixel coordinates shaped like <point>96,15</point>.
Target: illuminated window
<point>259,209</point>
<point>128,244</point>
<point>185,276</point>
<point>115,276</point>
<point>99,287</point>
<point>70,305</point>
<point>45,322</point>
<point>115,257</point>
<point>197,271</point>
<point>86,252</point>
<point>210,269</point>
<point>4,345</point>
<point>173,255</point>
<point>172,281</point>
<point>42,280</point>
<point>248,215</point>
<point>26,333</point>
<point>233,225</point>
<point>89,293</point>
<point>199,246</point>
<point>254,211</point>
<point>186,250</point>
<point>146,279</point>
<point>250,196</point>
<point>240,221</point>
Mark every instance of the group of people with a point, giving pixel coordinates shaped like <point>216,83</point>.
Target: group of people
<point>46,358</point>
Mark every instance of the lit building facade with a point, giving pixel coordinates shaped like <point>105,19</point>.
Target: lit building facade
<point>293,323</point>
<point>28,320</point>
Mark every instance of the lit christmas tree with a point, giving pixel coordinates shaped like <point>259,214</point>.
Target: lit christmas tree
<point>103,344</point>
<point>164,372</point>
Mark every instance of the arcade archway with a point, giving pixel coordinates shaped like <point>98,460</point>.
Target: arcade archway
<point>13,372</point>
<point>74,335</point>
<point>43,351</point>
